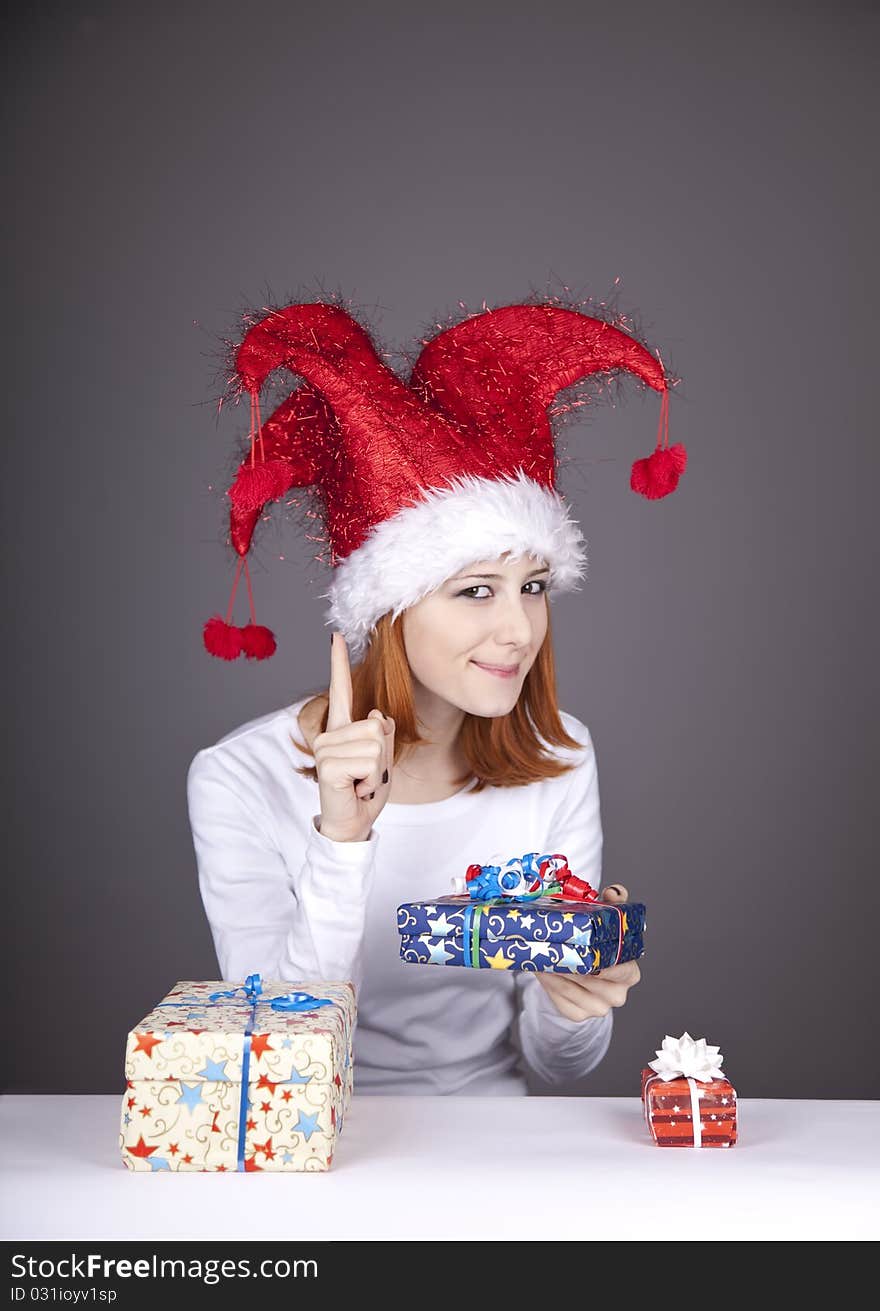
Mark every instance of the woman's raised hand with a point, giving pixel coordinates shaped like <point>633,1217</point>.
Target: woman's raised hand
<point>354,761</point>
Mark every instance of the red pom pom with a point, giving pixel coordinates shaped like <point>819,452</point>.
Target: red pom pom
<point>257,642</point>
<point>222,639</point>
<point>658,475</point>
<point>257,484</point>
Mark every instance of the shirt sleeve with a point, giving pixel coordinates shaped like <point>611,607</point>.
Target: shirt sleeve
<point>558,1049</point>
<point>293,915</point>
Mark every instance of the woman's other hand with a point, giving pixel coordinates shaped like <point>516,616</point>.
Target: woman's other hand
<point>589,996</point>
<point>354,761</point>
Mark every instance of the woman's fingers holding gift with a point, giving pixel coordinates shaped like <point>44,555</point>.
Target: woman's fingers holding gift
<point>627,974</point>
<point>614,892</point>
<point>569,1000</point>
<point>588,996</point>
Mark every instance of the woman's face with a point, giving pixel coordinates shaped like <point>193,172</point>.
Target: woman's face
<point>475,620</point>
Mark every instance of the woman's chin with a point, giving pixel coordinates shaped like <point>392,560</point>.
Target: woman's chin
<point>492,703</point>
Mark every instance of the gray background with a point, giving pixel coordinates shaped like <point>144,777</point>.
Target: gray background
<point>172,164</point>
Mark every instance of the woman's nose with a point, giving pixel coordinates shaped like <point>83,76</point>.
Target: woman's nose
<point>513,624</point>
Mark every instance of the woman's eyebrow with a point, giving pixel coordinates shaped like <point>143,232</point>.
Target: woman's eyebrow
<point>495,577</point>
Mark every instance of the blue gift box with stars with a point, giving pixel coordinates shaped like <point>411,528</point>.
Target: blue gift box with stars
<point>543,934</point>
<point>239,1076</point>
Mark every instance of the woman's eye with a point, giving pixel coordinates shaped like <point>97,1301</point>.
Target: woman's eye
<point>481,591</point>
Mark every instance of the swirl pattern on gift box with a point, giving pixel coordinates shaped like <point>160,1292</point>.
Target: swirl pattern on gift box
<point>184,1071</point>
<point>252,988</point>
<point>580,935</point>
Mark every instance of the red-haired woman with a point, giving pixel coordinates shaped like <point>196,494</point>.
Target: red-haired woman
<point>443,746</point>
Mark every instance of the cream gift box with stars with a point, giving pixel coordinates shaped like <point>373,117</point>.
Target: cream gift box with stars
<point>185,1105</point>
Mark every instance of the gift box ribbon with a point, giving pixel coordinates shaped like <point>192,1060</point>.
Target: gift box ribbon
<point>251,989</point>
<point>695,1105</point>
<point>474,912</point>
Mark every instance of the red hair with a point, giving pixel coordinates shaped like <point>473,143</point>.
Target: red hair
<point>504,752</point>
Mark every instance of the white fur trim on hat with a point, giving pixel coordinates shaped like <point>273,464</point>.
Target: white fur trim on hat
<point>410,555</point>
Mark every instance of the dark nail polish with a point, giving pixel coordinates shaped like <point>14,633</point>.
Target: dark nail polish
<point>370,797</point>
<point>385,776</point>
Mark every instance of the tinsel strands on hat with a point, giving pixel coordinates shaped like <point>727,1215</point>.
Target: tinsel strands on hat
<point>256,429</point>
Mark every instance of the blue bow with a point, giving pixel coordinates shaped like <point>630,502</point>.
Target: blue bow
<point>252,987</point>
<point>299,1001</point>
<point>293,1001</point>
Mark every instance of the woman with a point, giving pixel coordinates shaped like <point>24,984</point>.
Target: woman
<point>444,746</point>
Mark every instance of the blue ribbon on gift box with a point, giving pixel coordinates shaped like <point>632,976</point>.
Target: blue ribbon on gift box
<point>251,988</point>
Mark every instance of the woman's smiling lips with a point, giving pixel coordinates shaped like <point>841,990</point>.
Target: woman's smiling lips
<point>500,671</point>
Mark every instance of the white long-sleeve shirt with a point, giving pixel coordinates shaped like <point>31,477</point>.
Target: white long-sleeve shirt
<point>287,902</point>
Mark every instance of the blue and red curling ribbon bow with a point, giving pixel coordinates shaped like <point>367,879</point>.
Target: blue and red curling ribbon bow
<point>524,878</point>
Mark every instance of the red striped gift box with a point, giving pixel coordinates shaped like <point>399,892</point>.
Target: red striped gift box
<point>675,1107</point>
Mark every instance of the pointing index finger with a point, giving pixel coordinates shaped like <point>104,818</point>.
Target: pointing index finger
<point>340,690</point>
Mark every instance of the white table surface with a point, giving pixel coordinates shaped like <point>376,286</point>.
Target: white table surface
<point>459,1168</point>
